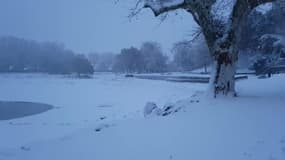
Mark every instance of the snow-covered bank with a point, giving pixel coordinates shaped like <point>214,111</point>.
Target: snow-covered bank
<point>79,103</point>
<point>249,127</point>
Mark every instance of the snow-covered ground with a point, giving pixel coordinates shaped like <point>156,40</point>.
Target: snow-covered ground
<point>102,118</point>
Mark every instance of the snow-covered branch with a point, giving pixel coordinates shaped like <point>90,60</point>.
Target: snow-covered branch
<point>240,10</point>
<point>255,3</point>
<point>161,6</point>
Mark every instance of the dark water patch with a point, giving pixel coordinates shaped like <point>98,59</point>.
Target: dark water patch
<point>12,110</point>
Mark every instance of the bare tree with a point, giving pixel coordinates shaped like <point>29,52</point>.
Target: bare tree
<point>130,60</point>
<point>154,59</point>
<point>189,56</point>
<point>102,62</point>
<point>220,22</point>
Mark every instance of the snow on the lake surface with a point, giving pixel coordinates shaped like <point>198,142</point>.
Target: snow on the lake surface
<point>79,103</point>
<point>250,127</point>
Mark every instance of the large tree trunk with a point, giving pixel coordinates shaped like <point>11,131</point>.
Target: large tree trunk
<point>225,56</point>
<point>223,75</point>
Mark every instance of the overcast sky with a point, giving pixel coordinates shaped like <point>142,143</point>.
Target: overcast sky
<point>90,25</point>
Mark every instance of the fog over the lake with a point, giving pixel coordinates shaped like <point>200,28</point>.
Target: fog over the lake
<point>90,25</point>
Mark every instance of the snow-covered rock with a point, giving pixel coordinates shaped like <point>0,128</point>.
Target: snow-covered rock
<point>170,108</point>
<point>151,109</point>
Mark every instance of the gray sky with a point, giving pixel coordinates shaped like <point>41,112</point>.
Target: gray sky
<point>90,25</point>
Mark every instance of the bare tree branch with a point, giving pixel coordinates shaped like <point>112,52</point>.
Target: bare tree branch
<point>135,10</point>
<point>241,10</point>
<point>255,3</point>
<point>160,8</point>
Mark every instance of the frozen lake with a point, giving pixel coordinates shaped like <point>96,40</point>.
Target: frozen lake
<point>12,110</point>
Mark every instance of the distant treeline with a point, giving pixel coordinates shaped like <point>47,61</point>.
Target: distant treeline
<point>20,55</point>
<point>150,58</point>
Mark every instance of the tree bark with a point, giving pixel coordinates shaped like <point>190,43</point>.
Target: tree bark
<point>223,75</point>
<point>225,56</point>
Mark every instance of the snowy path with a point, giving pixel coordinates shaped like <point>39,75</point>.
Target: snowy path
<point>250,127</point>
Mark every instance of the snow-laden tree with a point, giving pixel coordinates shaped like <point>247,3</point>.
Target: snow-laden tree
<point>130,60</point>
<point>221,23</point>
<point>148,59</point>
<point>188,56</point>
<point>273,44</point>
<point>153,58</point>
<point>102,62</point>
<point>261,36</point>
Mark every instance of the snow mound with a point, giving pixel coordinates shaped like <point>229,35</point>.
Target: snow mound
<point>151,109</point>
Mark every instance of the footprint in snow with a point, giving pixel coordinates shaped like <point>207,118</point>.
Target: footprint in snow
<point>194,101</point>
<point>25,148</point>
<point>103,126</point>
<point>103,117</point>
